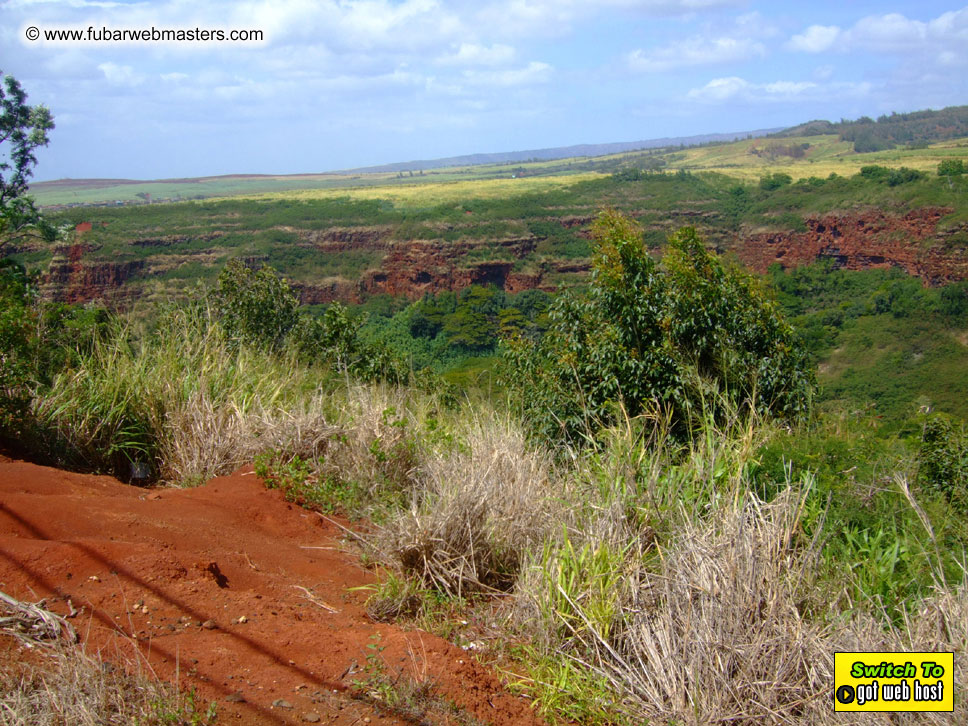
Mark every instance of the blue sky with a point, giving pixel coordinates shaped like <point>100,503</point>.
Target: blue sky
<point>345,83</point>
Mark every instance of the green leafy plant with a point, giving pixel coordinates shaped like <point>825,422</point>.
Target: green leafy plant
<point>943,460</point>
<point>683,335</point>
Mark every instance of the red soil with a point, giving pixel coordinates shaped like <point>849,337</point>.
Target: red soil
<point>230,548</point>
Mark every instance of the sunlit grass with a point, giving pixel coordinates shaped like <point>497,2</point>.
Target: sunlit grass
<point>432,193</point>
<point>826,155</point>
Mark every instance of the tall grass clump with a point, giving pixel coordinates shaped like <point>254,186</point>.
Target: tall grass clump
<point>181,400</point>
<point>670,592</point>
<point>484,498</point>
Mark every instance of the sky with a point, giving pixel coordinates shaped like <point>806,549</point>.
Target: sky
<point>336,84</point>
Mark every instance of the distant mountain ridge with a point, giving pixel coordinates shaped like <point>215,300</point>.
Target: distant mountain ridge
<point>558,152</point>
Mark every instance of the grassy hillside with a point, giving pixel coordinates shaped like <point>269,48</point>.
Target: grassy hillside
<point>576,569</point>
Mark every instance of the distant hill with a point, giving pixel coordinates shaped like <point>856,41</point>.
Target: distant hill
<point>558,152</point>
<point>867,134</point>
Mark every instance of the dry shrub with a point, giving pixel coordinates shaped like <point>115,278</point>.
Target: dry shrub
<point>71,689</point>
<point>715,635</point>
<point>57,684</point>
<point>482,504</point>
<point>375,448</point>
<point>714,630</point>
<point>201,439</point>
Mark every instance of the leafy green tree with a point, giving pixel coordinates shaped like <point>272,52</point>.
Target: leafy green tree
<point>943,460</point>
<point>689,336</point>
<point>24,128</point>
<point>775,181</point>
<point>16,372</point>
<point>335,338</point>
<point>951,167</point>
<point>254,306</point>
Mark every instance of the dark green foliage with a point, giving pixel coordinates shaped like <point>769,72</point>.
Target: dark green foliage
<point>689,336</point>
<point>903,175</point>
<point>866,140</point>
<point>943,460</point>
<point>16,372</point>
<point>22,129</point>
<point>951,167</point>
<point>898,128</point>
<point>875,172</point>
<point>259,308</point>
<point>38,340</point>
<point>883,338</point>
<point>254,306</point>
<point>953,300</point>
<point>736,204</point>
<point>775,181</point>
<point>334,338</point>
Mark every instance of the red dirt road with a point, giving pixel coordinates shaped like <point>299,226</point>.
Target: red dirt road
<point>171,572</point>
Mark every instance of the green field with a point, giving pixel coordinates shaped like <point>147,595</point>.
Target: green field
<point>826,155</point>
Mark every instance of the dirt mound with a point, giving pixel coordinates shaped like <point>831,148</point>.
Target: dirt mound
<point>228,589</point>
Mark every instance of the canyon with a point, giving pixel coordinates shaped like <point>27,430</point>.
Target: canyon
<point>912,240</point>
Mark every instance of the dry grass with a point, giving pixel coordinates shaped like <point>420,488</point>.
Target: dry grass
<point>481,505</point>
<point>57,684</point>
<point>202,439</point>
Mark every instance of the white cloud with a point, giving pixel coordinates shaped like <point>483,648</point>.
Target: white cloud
<point>528,18</point>
<point>738,41</point>
<point>721,90</point>
<point>695,51</point>
<point>824,72</point>
<point>472,54</point>
<point>118,75</point>
<point>815,39</point>
<point>944,38</point>
<point>534,73</point>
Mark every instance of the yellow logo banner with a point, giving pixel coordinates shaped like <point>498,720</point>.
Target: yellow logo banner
<point>893,681</point>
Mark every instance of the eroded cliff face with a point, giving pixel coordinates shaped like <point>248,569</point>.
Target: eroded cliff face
<point>71,279</point>
<point>853,240</point>
<point>412,269</point>
<point>864,240</point>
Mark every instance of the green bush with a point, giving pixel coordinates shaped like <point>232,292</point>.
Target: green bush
<point>951,167</point>
<point>16,372</point>
<point>254,306</point>
<point>943,460</point>
<point>775,181</point>
<point>688,336</point>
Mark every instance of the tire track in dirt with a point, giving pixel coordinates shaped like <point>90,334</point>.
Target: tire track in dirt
<point>228,589</point>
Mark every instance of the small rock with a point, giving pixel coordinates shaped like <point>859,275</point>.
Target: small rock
<point>311,717</point>
<point>209,625</point>
<point>94,578</point>
<point>144,609</point>
<point>242,619</point>
<point>236,697</point>
<point>281,703</point>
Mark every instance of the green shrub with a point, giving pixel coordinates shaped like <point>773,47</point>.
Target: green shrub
<point>16,372</point>
<point>943,460</point>
<point>689,336</point>
<point>775,181</point>
<point>254,306</point>
<point>951,167</point>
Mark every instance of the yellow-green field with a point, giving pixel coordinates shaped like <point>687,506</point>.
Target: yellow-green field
<point>430,193</point>
<point>826,155</point>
